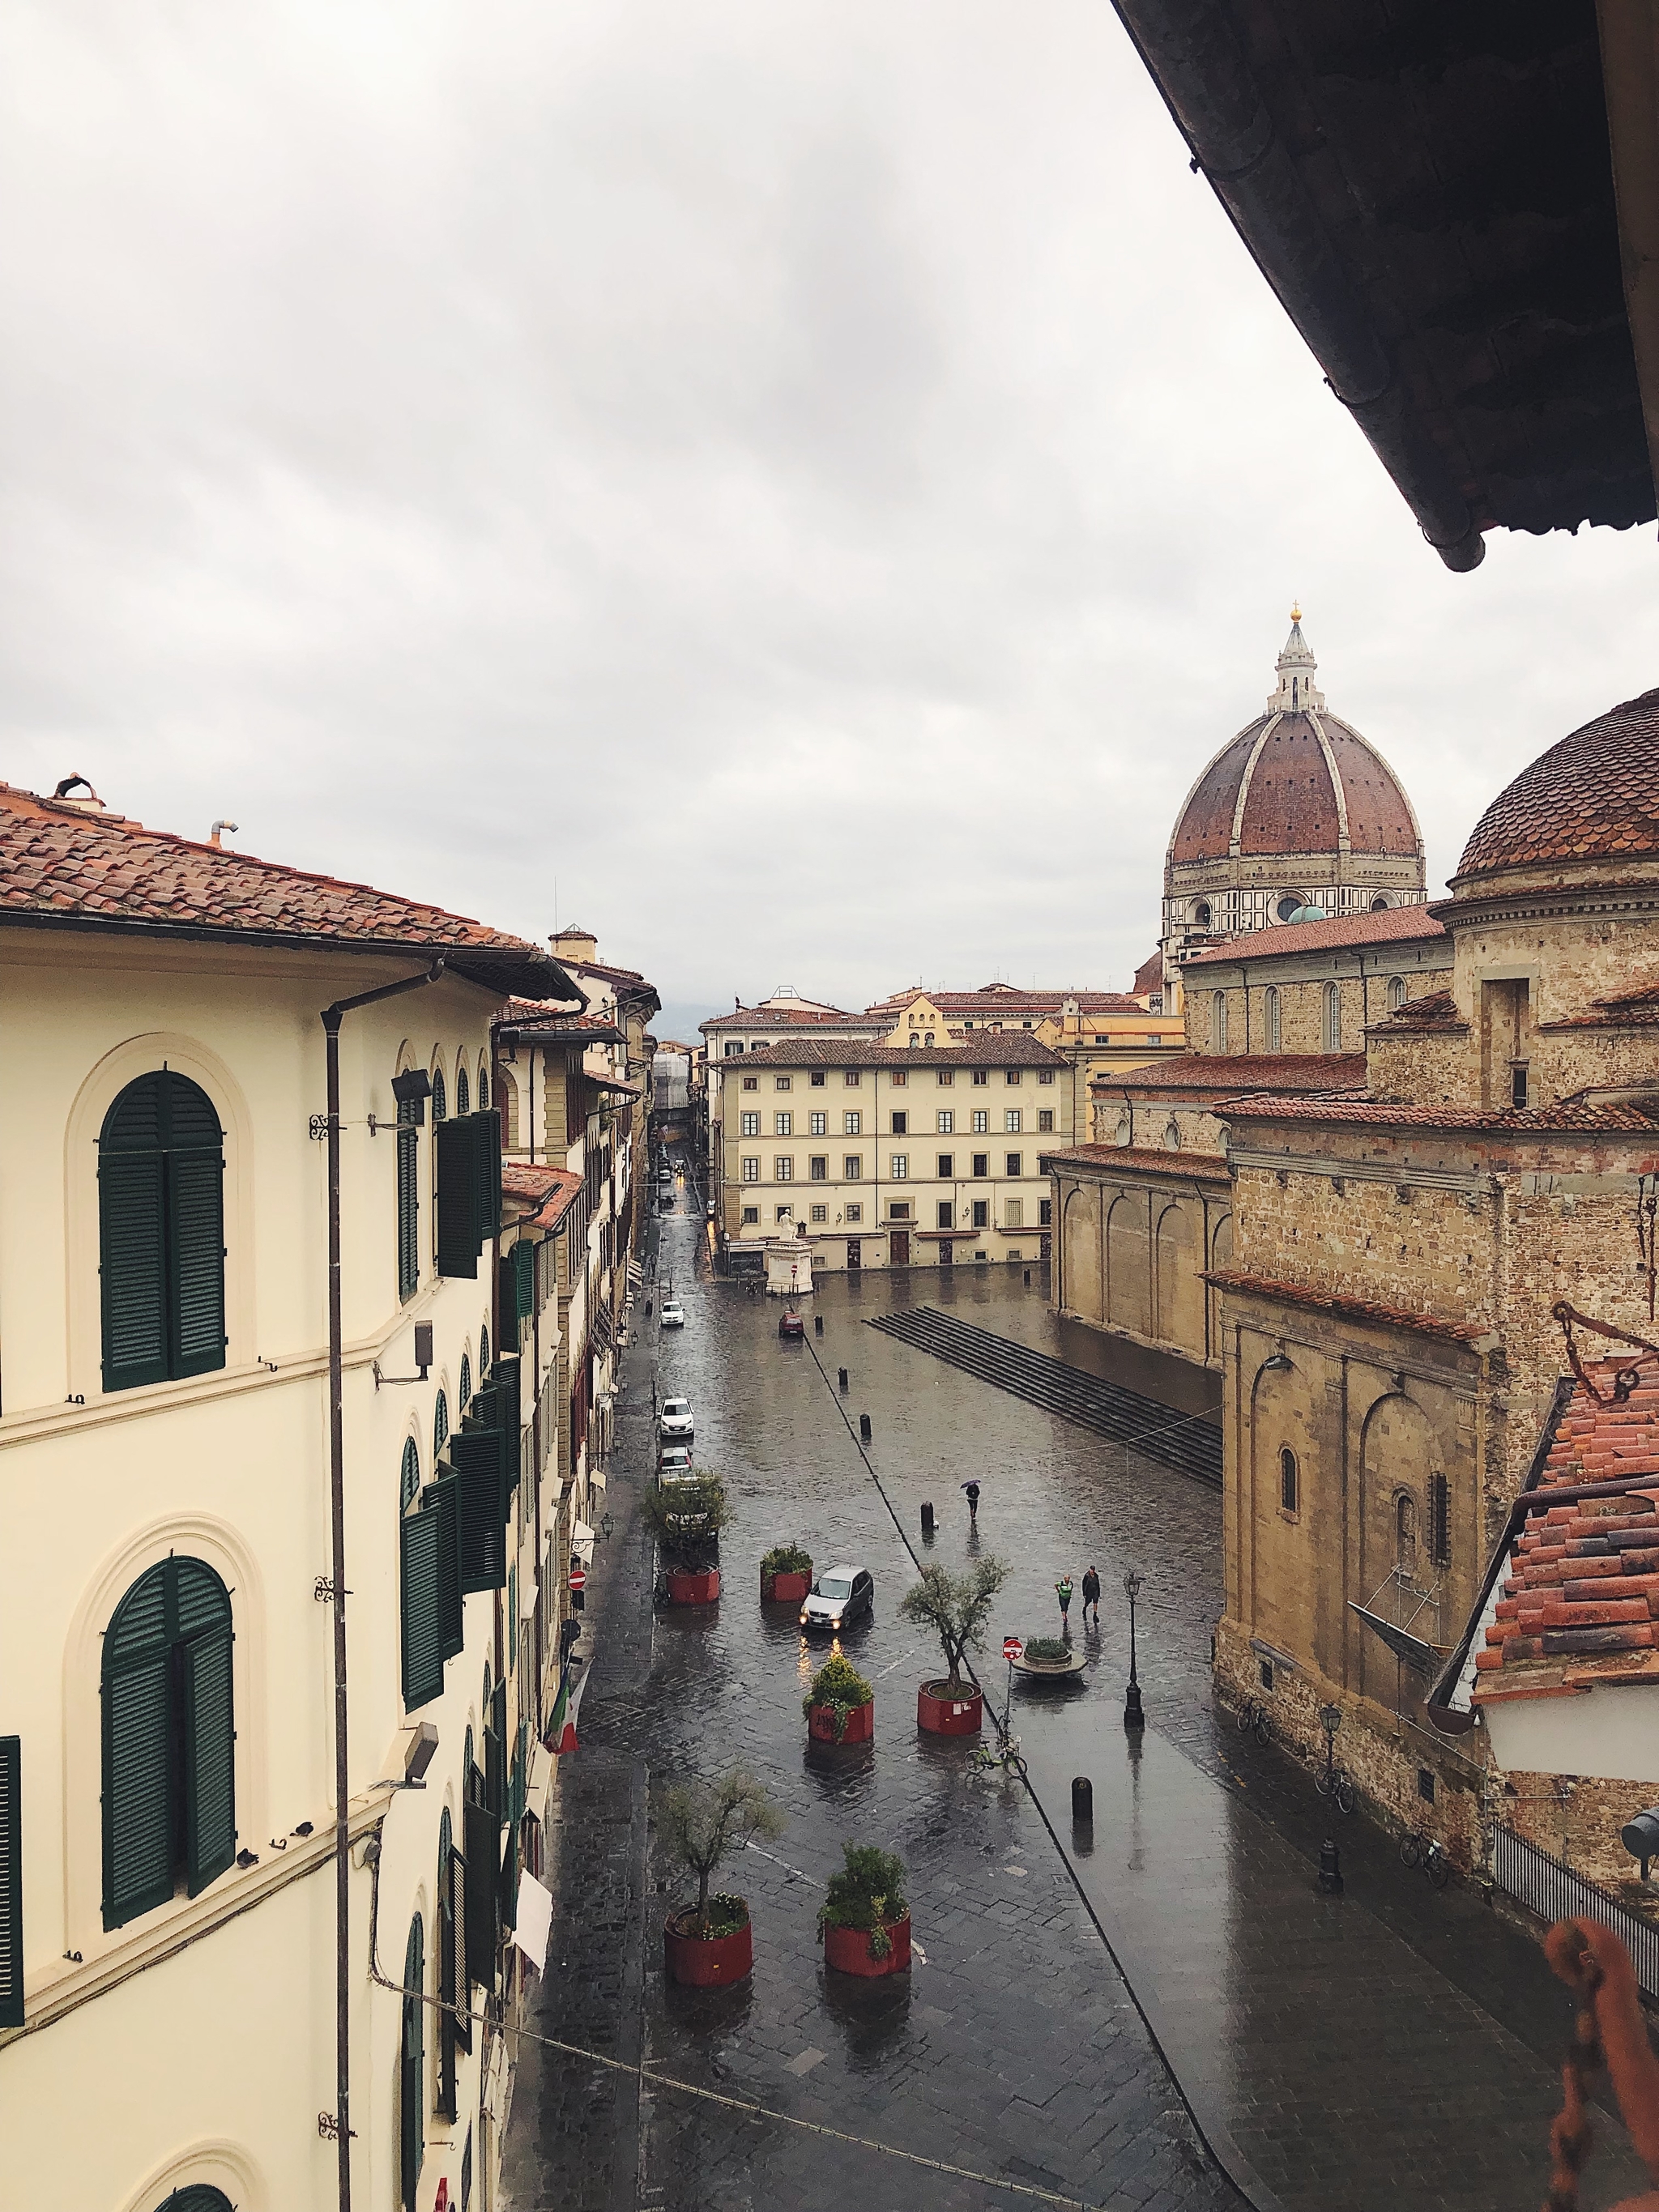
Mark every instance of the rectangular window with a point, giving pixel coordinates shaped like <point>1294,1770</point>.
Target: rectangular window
<point>853,1078</point>
<point>783,1125</point>
<point>898,1209</point>
<point>1013,1214</point>
<point>982,1075</point>
<point>752,1082</point>
<point>820,1213</point>
<point>783,1082</point>
<point>751,1167</point>
<point>946,1213</point>
<point>732,1050</point>
<point>947,1166</point>
<point>818,1168</point>
<point>981,1164</point>
<point>1047,1074</point>
<point>783,1168</point>
<point>817,1124</point>
<point>1011,1075</point>
<point>852,1167</point>
<point>852,1124</point>
<point>1011,1121</point>
<point>947,1122</point>
<point>898,1166</point>
<point>785,1213</point>
<point>1045,1122</point>
<point>898,1078</point>
<point>751,1217</point>
<point>749,1125</point>
<point>1045,1212</point>
<point>900,1125</point>
<point>982,1214</point>
<point>855,1213</point>
<point>1011,1163</point>
<point>818,1078</point>
<point>982,1121</point>
<point>1439,1520</point>
<point>947,1076</point>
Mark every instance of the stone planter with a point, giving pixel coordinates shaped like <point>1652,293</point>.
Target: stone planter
<point>941,1714</point>
<point>848,1950</point>
<point>1051,1670</point>
<point>822,1722</point>
<point>785,1589</point>
<point>686,1587</point>
<point>706,1962</point>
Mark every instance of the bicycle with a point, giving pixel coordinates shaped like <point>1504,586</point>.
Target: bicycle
<point>984,1761</point>
<point>1336,1784</point>
<point>1423,1852</point>
<point>1252,1715</point>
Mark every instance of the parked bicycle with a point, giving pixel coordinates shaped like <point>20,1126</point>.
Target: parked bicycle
<point>1336,1784</point>
<point>985,1760</point>
<point>1252,1715</point>
<point>1423,1852</point>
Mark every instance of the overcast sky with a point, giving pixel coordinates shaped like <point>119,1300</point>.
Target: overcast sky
<point>799,489</point>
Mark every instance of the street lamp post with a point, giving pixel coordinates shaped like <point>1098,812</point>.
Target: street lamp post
<point>1134,1718</point>
<point>1330,1719</point>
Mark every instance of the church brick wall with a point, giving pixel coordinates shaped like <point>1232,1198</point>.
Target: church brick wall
<point>1302,1004</point>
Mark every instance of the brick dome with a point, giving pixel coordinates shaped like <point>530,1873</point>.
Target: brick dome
<point>1593,797</point>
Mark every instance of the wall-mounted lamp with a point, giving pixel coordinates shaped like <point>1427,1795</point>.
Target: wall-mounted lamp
<point>412,1088</point>
<point>1280,1360</point>
<point>422,1358</point>
<point>414,1749</point>
<point>1640,1837</point>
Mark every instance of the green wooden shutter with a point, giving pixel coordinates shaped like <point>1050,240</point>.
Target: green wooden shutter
<point>210,1763</point>
<point>486,1130</point>
<point>137,1797</point>
<point>496,1754</point>
<point>447,2045</point>
<point>409,1208</point>
<point>504,1383</point>
<point>484,1852</point>
<point>457,1202</point>
<point>479,1460</point>
<point>411,2069</point>
<point>198,2196</point>
<point>523,1279</point>
<point>195,1228</point>
<point>420,1542</point>
<point>132,1239</point>
<point>11,1882</point>
<point>443,1498</point>
<point>461,1975</point>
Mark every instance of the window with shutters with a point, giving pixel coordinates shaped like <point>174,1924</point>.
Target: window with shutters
<point>464,1395</point>
<point>483,1090</point>
<point>459,1198</point>
<point>169,1740</point>
<point>439,1096</point>
<point>430,1615</point>
<point>409,1201</point>
<point>411,2069</point>
<point>463,1100</point>
<point>161,1233</point>
<point>197,2197</point>
<point>506,1098</point>
<point>483,1350</point>
<point>440,1425</point>
<point>454,2034</point>
<point>11,1882</point>
<point>409,1479</point>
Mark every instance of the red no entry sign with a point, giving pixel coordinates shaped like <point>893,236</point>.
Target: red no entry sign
<point>1011,1647</point>
<point>578,1578</point>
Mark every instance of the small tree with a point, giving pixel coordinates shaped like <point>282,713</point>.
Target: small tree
<point>704,1821</point>
<point>839,1684</point>
<point>956,1607</point>
<point>686,1513</point>
<point>867,1893</point>
<point>786,1560</point>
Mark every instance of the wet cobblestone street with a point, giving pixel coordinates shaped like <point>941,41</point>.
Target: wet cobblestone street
<point>1014,2049</point>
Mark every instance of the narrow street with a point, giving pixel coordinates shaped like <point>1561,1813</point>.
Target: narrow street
<point>1395,2046</point>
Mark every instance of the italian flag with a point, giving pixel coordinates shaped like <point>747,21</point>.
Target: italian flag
<point>562,1728</point>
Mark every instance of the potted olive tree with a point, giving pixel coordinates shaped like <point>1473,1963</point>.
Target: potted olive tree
<point>686,1513</point>
<point>710,1944</point>
<point>956,1607</point>
<point>786,1574</point>
<point>864,1920</point>
<point>840,1705</point>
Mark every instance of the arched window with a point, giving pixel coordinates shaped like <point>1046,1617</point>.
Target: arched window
<point>169,1740</point>
<point>1405,1535</point>
<point>483,1090</point>
<point>1275,1020</point>
<point>1286,906</point>
<point>1217,1021</point>
<point>1397,992</point>
<point>1201,914</point>
<point>462,1104</point>
<point>1290,1484</point>
<point>1379,904</point>
<point>161,1232</point>
<point>439,1096</point>
<point>508,1100</point>
<point>409,1476</point>
<point>409,1201</point>
<point>1172,1135</point>
<point>197,2197</point>
<point>484,1351</point>
<point>1333,1018</point>
<point>440,1425</point>
<point>464,1395</point>
<point>411,2069</point>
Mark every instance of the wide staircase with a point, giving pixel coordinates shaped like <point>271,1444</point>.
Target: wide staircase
<point>1188,1443</point>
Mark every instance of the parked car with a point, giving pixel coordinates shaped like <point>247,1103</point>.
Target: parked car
<point>674,1459</point>
<point>838,1599</point>
<point>673,1313</point>
<point>791,1325</point>
<point>675,1420</point>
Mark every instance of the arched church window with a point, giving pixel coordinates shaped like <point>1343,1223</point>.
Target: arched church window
<point>1217,1021</point>
<point>1275,1023</point>
<point>1290,1481</point>
<point>1404,1536</point>
<point>1125,1128</point>
<point>1379,904</point>
<point>1397,992</point>
<point>1201,914</point>
<point>1172,1135</point>
<point>1333,1018</point>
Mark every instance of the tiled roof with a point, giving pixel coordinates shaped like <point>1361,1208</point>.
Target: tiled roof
<point>979,1048</point>
<point>1303,1294</point>
<point>1631,1010</point>
<point>1437,1010</point>
<point>1289,804</point>
<point>535,1021</point>
<point>751,1018</point>
<point>559,1201</point>
<point>1227,1074</point>
<point>1004,999</point>
<point>529,1185</point>
<point>1204,1167</point>
<point>1383,1114</point>
<point>59,865</point>
<point>1149,977</point>
<point>1593,797</point>
<point>1395,924</point>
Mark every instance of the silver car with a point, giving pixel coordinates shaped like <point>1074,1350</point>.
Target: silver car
<point>675,1420</point>
<point>838,1599</point>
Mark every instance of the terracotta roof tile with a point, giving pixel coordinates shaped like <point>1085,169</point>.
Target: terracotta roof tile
<point>1438,1010</point>
<point>1369,1310</point>
<point>1290,805</point>
<point>1384,1114</point>
<point>978,1048</point>
<point>1408,924</point>
<point>1205,1167</point>
<point>1594,796</point>
<point>1231,1074</point>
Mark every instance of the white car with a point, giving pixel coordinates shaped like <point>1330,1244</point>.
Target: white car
<point>675,1418</point>
<point>838,1599</point>
<point>674,1459</point>
<point>673,1313</point>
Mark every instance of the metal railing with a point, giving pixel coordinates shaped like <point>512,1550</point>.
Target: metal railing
<point>1555,1891</point>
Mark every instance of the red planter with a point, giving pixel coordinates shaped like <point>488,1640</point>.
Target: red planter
<point>706,1962</point>
<point>787,1589</point>
<point>848,1950</point>
<point>685,1588</point>
<point>941,1714</point>
<point>861,1724</point>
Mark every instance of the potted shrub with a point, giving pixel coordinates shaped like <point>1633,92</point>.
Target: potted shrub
<point>709,1943</point>
<point>864,1920</point>
<point>840,1705</point>
<point>687,1512</point>
<point>956,1607</point>
<point>786,1574</point>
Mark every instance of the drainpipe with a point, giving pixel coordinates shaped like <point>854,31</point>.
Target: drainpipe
<point>332,1017</point>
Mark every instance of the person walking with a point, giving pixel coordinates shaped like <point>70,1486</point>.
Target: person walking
<point>1091,1595</point>
<point>1063,1592</point>
<point>970,1490</point>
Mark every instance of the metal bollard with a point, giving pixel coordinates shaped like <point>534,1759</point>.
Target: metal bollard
<point>1082,1800</point>
<point>818,1324</point>
<point>840,1375</point>
<point>927,1520</point>
<point>1330,1868</point>
<point>864,1427</point>
<point>1028,1279</point>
